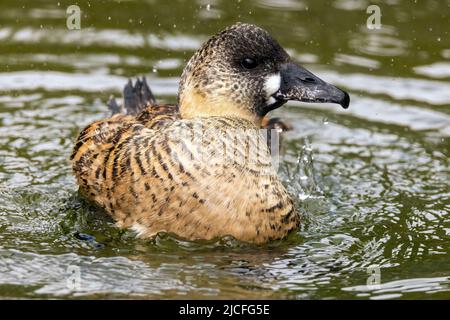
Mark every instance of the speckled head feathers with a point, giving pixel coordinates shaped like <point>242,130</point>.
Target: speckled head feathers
<point>244,72</point>
<point>229,73</point>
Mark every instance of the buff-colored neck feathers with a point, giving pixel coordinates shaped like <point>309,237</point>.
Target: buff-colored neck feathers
<point>194,104</point>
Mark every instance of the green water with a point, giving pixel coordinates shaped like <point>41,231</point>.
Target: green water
<point>373,180</point>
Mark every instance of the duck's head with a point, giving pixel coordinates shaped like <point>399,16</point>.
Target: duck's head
<point>244,72</point>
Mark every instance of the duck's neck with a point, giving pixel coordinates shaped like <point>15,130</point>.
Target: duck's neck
<point>194,104</point>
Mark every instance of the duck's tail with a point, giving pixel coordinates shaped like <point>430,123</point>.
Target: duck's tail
<point>135,98</point>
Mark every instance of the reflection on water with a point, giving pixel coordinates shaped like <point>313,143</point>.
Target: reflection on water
<point>371,181</point>
<point>434,70</point>
<point>382,42</point>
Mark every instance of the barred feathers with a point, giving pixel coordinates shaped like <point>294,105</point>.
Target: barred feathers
<point>151,174</point>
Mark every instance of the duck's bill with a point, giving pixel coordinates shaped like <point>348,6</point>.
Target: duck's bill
<point>299,84</point>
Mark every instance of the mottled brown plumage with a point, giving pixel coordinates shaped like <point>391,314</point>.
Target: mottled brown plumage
<point>200,169</point>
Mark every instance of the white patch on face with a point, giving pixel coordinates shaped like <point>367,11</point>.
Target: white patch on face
<point>272,84</point>
<point>270,101</point>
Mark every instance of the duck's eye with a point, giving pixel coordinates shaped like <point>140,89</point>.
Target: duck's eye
<point>249,63</point>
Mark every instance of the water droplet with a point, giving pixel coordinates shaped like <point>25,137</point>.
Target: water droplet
<point>154,70</point>
<point>303,196</point>
<point>109,18</point>
<point>208,7</point>
<point>325,121</point>
<point>439,39</point>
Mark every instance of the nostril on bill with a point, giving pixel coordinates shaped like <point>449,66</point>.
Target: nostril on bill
<point>308,79</point>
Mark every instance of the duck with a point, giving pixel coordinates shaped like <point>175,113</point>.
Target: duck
<point>199,169</point>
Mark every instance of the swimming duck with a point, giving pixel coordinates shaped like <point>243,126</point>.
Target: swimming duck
<point>198,169</point>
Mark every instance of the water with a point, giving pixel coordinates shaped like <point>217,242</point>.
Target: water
<point>372,181</point>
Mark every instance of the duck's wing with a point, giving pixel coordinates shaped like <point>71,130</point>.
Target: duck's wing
<point>95,142</point>
<point>139,108</point>
<point>139,101</point>
<point>136,98</point>
<point>155,116</point>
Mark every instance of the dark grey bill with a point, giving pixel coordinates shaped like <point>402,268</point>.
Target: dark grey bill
<point>299,84</point>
